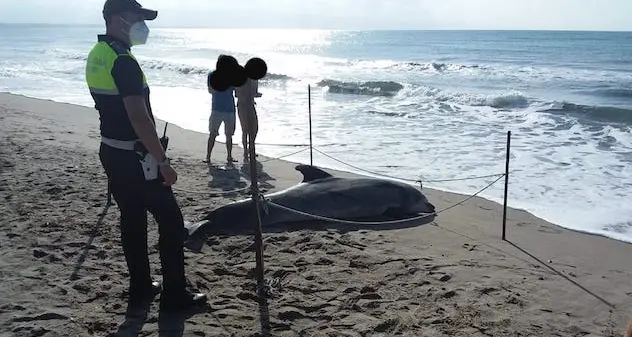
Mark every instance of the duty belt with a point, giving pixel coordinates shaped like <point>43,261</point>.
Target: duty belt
<point>129,145</point>
<point>147,161</point>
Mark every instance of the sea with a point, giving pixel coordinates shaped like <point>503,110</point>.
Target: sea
<point>433,106</point>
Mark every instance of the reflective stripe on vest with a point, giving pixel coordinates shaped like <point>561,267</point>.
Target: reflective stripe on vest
<point>99,69</point>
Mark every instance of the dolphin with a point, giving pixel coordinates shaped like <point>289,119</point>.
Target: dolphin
<point>324,195</point>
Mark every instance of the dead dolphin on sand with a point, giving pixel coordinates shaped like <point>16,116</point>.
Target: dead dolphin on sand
<point>322,194</point>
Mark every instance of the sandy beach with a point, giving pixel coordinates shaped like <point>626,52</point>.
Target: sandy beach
<point>62,270</point>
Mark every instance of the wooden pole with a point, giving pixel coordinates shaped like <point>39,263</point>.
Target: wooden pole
<point>254,188</point>
<point>506,184</point>
<point>309,105</point>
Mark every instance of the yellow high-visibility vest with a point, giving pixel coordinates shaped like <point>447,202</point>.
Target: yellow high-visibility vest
<point>99,67</point>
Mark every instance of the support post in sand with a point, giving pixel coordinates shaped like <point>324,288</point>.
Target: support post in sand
<point>506,184</point>
<point>254,188</point>
<point>309,108</point>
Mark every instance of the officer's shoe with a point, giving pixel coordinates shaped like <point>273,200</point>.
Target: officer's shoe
<point>182,301</point>
<point>156,288</point>
<point>138,297</point>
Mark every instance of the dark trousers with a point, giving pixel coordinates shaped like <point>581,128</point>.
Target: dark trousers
<point>134,197</point>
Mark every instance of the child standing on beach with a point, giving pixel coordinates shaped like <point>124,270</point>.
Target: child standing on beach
<point>246,105</point>
<point>222,111</point>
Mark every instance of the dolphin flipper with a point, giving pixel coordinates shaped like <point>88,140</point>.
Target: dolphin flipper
<point>312,172</point>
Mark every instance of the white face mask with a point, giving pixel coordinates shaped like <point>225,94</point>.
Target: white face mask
<point>138,32</point>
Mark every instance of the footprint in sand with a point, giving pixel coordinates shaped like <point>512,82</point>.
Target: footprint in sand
<point>496,254</point>
<point>388,325</point>
<point>47,316</point>
<point>38,253</point>
<point>68,255</point>
<point>359,264</point>
<point>272,240</point>
<point>549,230</point>
<point>300,262</point>
<point>487,290</point>
<point>291,314</point>
<point>470,247</point>
<point>515,300</point>
<point>10,307</point>
<point>445,278</point>
<point>30,331</point>
<point>314,245</point>
<point>304,238</point>
<point>449,294</point>
<point>334,250</point>
<point>288,251</point>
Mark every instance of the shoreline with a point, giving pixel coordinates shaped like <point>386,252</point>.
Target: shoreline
<point>452,277</point>
<point>350,170</point>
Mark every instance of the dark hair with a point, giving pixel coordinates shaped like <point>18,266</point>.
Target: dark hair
<point>226,61</point>
<point>256,68</point>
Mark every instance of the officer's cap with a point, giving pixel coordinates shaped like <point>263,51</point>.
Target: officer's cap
<point>113,7</point>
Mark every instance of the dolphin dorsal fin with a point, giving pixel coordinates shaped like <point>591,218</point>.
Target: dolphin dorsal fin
<point>311,172</point>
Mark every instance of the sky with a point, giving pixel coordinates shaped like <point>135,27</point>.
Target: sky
<point>345,14</point>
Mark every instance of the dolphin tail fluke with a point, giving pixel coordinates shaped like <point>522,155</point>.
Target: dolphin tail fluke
<point>193,227</point>
<point>311,172</point>
<point>194,235</point>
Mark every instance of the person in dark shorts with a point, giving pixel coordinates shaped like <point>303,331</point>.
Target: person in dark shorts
<point>134,159</point>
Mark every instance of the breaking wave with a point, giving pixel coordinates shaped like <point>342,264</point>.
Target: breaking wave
<point>505,100</point>
<point>509,100</point>
<point>371,88</point>
<point>180,68</point>
<point>196,70</point>
<point>517,100</point>
<point>614,92</point>
<point>595,113</point>
<point>435,66</point>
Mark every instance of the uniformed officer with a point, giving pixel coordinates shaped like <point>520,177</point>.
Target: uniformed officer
<point>134,159</point>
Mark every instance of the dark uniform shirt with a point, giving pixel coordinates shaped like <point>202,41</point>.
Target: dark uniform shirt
<point>129,81</point>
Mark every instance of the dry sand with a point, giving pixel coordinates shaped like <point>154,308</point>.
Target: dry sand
<point>62,272</point>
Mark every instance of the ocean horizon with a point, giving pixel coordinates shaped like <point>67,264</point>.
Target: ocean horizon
<point>429,104</point>
<point>160,26</point>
